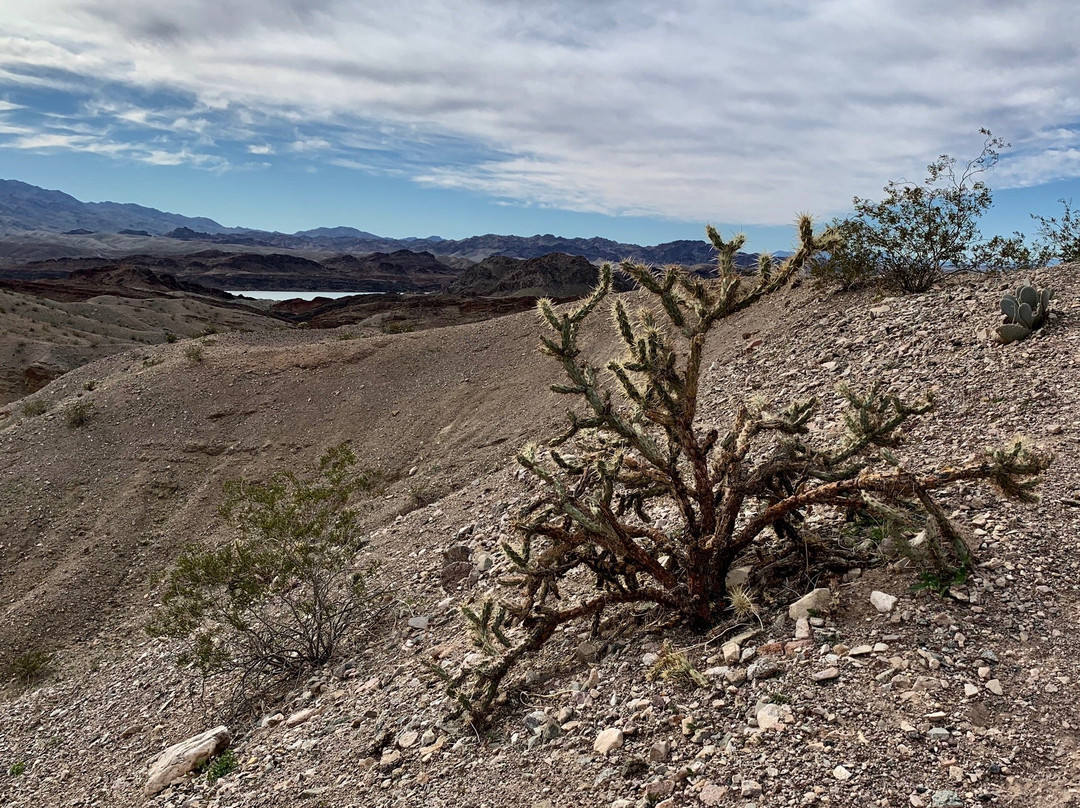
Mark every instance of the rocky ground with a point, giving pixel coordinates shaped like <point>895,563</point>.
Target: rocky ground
<point>925,700</point>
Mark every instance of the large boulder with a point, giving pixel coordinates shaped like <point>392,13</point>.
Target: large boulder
<point>181,758</point>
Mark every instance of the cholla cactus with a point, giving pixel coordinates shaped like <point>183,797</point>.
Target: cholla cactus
<point>633,447</point>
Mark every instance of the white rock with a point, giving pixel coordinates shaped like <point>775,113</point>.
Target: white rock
<point>750,788</point>
<point>731,652</point>
<point>301,716</point>
<point>802,629</point>
<point>882,601</point>
<point>819,600</point>
<point>770,716</point>
<point>994,686</point>
<point>841,774</point>
<point>181,758</point>
<point>608,740</point>
<point>419,622</point>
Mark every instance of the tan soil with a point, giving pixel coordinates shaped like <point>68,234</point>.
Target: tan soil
<point>89,515</point>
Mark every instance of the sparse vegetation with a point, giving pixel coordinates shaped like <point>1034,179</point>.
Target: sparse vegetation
<point>1062,236</point>
<point>35,408</point>
<point>397,327</point>
<point>17,769</point>
<point>218,767</point>
<point>287,592</point>
<point>1025,311</point>
<point>29,667</point>
<point>194,353</point>
<point>918,230</point>
<point>636,452</point>
<point>79,414</point>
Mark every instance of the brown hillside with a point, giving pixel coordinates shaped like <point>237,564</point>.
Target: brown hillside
<point>953,701</point>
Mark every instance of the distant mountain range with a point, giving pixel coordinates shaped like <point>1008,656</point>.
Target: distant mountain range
<point>27,209</point>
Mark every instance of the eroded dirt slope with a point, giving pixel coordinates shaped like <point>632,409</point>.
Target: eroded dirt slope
<point>955,701</point>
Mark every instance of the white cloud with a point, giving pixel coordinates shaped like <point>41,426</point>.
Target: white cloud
<point>260,149</point>
<point>310,144</point>
<point>695,109</point>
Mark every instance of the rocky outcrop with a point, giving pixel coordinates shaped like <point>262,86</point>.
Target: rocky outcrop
<point>181,758</point>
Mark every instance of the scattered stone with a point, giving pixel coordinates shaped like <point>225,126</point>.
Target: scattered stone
<point>454,573</point>
<point>484,562</point>
<point>731,652</point>
<point>181,758</point>
<point>300,716</point>
<point>882,601</point>
<point>587,652</point>
<point>826,675</point>
<point>660,752</point>
<point>841,774</point>
<point>750,788</point>
<point>608,740</point>
<point>769,716</point>
<point>994,686</point>
<point>712,794</point>
<point>802,629</point>
<point>420,623</point>
<point>860,650</point>
<point>817,601</point>
<point>408,739</point>
<point>765,669</point>
<point>946,799</point>
<point>659,790</point>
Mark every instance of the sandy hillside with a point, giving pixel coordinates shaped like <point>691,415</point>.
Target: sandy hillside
<point>41,339</point>
<point>962,700</point>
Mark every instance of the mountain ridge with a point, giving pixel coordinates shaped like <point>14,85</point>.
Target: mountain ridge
<point>26,208</point>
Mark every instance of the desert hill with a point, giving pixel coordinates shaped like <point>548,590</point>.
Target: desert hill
<point>948,701</point>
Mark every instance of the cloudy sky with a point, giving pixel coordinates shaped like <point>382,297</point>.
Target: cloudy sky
<point>632,120</point>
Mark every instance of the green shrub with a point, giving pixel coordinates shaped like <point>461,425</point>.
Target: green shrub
<point>223,764</point>
<point>634,450</point>
<point>917,230</point>
<point>17,769</point>
<point>35,407</point>
<point>80,413</point>
<point>1062,235</point>
<point>194,353</point>
<point>29,668</point>
<point>287,591</point>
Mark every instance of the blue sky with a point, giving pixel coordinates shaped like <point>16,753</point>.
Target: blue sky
<point>637,121</point>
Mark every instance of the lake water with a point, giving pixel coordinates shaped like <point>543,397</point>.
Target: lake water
<point>261,294</point>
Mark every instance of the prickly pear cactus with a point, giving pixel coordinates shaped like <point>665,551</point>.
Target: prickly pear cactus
<point>1024,311</point>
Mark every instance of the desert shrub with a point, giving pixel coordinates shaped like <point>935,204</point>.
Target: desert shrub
<point>1062,236</point>
<point>80,413</point>
<point>397,328</point>
<point>917,230</point>
<point>634,454</point>
<point>194,353</point>
<point>170,336</point>
<point>29,668</point>
<point>35,408</point>
<point>17,769</point>
<point>218,767</point>
<point>287,592</point>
